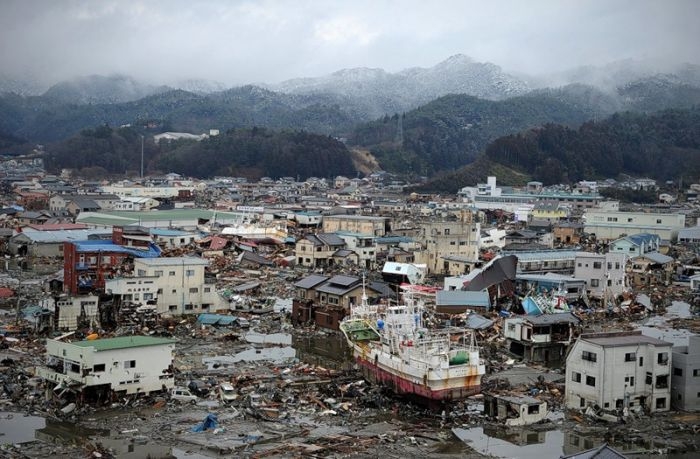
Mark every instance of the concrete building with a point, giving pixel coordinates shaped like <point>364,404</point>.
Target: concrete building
<point>515,410</point>
<point>375,226</point>
<point>176,285</point>
<point>685,379</point>
<point>363,245</point>
<point>619,370</point>
<point>544,338</point>
<point>604,274</point>
<point>441,240</point>
<point>489,196</point>
<point>104,369</point>
<point>609,224</point>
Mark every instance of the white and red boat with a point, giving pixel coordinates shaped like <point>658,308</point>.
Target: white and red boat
<point>393,348</point>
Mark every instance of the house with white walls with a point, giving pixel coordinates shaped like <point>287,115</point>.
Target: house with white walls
<point>102,369</point>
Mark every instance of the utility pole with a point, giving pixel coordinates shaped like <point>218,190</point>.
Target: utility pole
<point>141,156</point>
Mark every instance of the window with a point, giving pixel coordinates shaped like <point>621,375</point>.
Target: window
<point>189,272</point>
<point>576,376</point>
<point>533,409</point>
<point>662,358</point>
<point>141,272</point>
<point>648,379</point>
<point>207,289</point>
<point>589,356</point>
<point>194,289</point>
<point>629,380</point>
<point>609,266</point>
<point>696,372</point>
<point>129,363</point>
<point>661,403</point>
<point>74,367</point>
<point>171,273</point>
<point>630,357</point>
<point>658,221</point>
<point>590,381</point>
<point>511,327</point>
<point>172,307</point>
<point>98,367</point>
<point>189,307</point>
<point>641,361</point>
<point>582,402</point>
<point>662,382</point>
<point>174,290</point>
<point>595,282</point>
<point>677,371</point>
<point>159,273</point>
<point>597,265</point>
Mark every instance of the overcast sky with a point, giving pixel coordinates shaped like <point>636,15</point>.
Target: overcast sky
<point>237,42</point>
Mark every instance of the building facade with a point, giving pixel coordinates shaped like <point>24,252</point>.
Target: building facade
<point>685,379</point>
<point>604,273</point>
<point>176,285</point>
<point>609,224</point>
<point>617,371</point>
<point>104,368</point>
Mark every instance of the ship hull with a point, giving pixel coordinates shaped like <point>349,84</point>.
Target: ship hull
<point>402,385</point>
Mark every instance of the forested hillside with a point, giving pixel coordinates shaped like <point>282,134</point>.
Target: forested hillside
<point>663,145</point>
<point>252,153</point>
<point>259,152</point>
<point>452,131</point>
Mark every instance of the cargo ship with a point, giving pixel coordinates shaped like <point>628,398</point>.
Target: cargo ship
<point>393,347</point>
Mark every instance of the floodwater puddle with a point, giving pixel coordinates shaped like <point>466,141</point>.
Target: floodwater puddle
<point>527,443</point>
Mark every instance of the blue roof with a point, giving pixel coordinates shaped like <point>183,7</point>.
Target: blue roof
<point>109,246</point>
<point>216,319</point>
<point>641,238</point>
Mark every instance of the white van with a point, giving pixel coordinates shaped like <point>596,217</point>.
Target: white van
<point>182,395</point>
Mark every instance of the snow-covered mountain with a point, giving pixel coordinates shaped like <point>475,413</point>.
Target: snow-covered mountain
<point>380,92</point>
<point>98,89</point>
<point>199,86</point>
<point>618,74</point>
<point>23,86</point>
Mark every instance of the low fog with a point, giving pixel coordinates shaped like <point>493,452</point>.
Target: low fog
<point>239,42</point>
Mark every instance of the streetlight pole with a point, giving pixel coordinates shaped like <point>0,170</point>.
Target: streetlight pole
<point>142,156</point>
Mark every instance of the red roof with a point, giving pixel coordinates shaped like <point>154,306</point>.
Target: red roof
<point>217,243</point>
<point>6,292</point>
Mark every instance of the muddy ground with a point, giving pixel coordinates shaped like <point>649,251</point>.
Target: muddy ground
<point>297,395</point>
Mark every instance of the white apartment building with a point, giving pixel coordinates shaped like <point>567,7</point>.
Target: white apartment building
<point>176,285</point>
<point>105,367</point>
<point>610,224</point>
<point>604,273</point>
<point>619,370</point>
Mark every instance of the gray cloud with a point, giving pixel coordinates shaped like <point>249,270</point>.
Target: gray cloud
<point>239,42</point>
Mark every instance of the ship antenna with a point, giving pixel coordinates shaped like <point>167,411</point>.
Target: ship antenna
<point>364,291</point>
